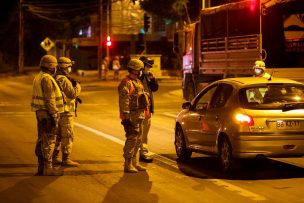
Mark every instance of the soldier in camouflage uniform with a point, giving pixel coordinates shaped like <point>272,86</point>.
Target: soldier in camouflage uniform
<point>150,85</point>
<point>70,90</point>
<point>47,102</point>
<point>132,105</point>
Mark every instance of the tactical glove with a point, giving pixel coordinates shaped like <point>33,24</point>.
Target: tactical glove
<point>74,82</point>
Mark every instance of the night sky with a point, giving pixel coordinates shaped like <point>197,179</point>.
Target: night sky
<point>35,27</point>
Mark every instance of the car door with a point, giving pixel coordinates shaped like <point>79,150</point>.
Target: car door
<point>215,115</point>
<point>196,117</point>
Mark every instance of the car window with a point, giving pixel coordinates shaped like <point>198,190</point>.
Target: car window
<point>272,96</point>
<point>221,95</point>
<point>203,100</point>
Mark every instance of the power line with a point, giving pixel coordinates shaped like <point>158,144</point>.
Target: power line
<point>60,12</point>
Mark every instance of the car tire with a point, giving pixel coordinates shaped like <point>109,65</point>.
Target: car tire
<point>225,155</point>
<point>181,150</point>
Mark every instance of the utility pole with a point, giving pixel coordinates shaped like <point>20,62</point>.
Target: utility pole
<point>21,39</point>
<point>261,37</point>
<point>108,25</point>
<point>99,51</point>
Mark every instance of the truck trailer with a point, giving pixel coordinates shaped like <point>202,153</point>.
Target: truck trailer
<point>226,40</point>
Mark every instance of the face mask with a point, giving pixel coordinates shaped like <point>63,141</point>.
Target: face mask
<point>258,71</point>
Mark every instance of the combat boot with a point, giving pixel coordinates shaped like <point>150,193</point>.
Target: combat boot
<point>66,161</point>
<point>49,170</point>
<point>147,157</point>
<point>40,168</point>
<point>129,168</point>
<point>135,163</point>
<point>56,160</point>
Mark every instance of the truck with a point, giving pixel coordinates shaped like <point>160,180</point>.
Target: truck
<point>226,39</point>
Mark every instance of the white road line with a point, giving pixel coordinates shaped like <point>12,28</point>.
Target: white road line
<point>170,114</point>
<point>99,133</point>
<point>237,189</point>
<point>221,183</point>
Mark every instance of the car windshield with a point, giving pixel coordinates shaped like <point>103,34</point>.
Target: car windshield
<point>272,96</point>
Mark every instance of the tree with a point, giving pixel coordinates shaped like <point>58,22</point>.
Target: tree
<point>174,10</point>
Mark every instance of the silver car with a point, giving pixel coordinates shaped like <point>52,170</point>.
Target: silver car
<point>243,118</point>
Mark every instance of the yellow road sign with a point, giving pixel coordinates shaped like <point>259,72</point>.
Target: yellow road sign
<point>47,44</point>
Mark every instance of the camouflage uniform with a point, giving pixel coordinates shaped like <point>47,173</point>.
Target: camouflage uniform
<point>65,133</point>
<point>47,102</point>
<point>132,104</point>
<point>150,85</point>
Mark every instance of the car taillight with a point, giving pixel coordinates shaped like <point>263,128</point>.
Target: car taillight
<point>244,119</point>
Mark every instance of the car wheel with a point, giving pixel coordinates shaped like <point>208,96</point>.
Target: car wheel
<point>225,155</point>
<point>182,152</point>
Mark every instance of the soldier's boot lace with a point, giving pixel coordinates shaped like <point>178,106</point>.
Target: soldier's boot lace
<point>129,168</point>
<point>135,163</point>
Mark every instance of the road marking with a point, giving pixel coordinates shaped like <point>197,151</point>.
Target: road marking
<point>97,132</point>
<point>237,189</point>
<point>165,160</point>
<point>173,115</point>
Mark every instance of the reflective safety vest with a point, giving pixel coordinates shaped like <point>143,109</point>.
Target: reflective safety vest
<point>69,105</point>
<point>38,96</point>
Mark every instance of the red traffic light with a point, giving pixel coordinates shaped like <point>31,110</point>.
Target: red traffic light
<point>253,5</point>
<point>109,42</point>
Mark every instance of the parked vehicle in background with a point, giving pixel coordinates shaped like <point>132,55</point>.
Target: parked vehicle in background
<point>226,39</point>
<point>245,117</point>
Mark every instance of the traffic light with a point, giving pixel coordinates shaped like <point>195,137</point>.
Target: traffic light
<point>253,5</point>
<point>109,42</point>
<point>147,22</point>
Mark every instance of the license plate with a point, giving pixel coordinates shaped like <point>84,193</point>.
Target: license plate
<point>283,125</point>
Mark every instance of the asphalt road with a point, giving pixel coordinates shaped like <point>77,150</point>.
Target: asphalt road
<point>99,139</point>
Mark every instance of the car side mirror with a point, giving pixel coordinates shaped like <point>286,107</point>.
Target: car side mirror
<point>186,105</point>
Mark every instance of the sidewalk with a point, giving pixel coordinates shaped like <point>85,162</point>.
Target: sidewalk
<point>86,74</point>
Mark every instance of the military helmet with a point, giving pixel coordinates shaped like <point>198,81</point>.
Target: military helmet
<point>135,64</point>
<point>48,61</point>
<point>260,65</point>
<point>147,61</point>
<point>64,62</point>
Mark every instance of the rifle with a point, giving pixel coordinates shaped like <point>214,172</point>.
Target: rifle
<point>77,100</point>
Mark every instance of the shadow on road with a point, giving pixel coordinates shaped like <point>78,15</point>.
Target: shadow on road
<point>26,190</point>
<point>131,188</point>
<point>207,167</point>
